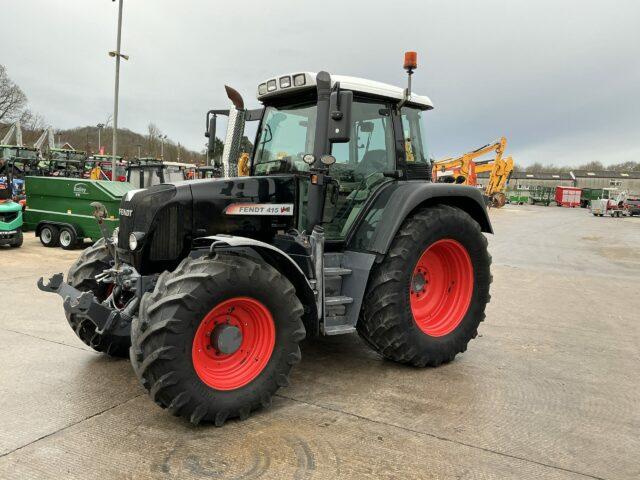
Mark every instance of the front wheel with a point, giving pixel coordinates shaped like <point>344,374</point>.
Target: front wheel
<point>426,298</point>
<point>18,239</point>
<point>92,261</point>
<point>49,236</point>
<point>217,337</point>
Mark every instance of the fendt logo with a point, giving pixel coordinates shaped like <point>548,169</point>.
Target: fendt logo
<point>80,189</point>
<point>125,212</point>
<point>280,209</point>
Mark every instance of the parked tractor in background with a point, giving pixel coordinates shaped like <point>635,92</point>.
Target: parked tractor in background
<point>148,171</point>
<point>10,213</point>
<point>210,285</point>
<point>464,170</point>
<point>64,162</point>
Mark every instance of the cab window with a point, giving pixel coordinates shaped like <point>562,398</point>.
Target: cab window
<point>286,135</point>
<point>413,134</point>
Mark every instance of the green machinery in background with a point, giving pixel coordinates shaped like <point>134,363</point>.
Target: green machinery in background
<point>10,216</point>
<point>542,195</point>
<point>589,194</point>
<point>517,196</point>
<point>59,209</point>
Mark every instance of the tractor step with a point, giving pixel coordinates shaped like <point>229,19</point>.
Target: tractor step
<point>339,329</point>
<point>333,278</point>
<point>336,271</point>
<point>338,300</point>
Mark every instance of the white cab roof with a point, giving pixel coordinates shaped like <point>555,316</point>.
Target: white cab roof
<point>354,84</point>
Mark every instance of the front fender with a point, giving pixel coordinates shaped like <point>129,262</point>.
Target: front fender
<point>378,227</point>
<point>278,260</point>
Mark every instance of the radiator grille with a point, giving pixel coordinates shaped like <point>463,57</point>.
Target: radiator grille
<point>8,217</point>
<point>167,236</point>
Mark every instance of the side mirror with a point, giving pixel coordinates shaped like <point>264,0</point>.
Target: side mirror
<point>211,134</point>
<point>340,116</point>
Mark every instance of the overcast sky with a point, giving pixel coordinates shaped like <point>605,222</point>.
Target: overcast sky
<point>559,78</point>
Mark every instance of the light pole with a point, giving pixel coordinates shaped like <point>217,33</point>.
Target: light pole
<point>100,127</point>
<point>162,139</point>
<point>117,56</point>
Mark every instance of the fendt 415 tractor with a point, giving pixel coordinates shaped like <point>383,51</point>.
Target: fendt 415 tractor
<point>211,284</point>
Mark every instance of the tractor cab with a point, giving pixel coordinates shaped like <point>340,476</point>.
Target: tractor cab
<point>342,137</point>
<point>148,171</point>
<point>18,161</point>
<point>63,162</point>
<point>207,171</point>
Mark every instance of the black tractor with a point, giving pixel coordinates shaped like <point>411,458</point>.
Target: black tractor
<point>210,285</point>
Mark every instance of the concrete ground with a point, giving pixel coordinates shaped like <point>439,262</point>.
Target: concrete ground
<point>550,388</point>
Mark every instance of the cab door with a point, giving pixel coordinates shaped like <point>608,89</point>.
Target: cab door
<point>360,164</point>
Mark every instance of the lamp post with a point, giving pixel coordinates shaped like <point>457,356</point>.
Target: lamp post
<point>100,127</point>
<point>117,56</point>
<point>162,139</point>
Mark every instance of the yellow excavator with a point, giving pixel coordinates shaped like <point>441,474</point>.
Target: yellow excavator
<point>464,170</point>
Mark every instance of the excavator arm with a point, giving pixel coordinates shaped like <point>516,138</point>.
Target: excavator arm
<point>464,170</point>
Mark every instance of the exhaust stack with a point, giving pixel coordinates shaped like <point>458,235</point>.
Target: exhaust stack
<point>235,132</point>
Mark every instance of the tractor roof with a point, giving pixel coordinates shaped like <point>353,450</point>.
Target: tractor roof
<point>296,82</point>
<point>23,147</point>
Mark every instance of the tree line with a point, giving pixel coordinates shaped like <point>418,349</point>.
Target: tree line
<point>538,167</point>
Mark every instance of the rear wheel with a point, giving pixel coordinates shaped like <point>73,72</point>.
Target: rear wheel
<point>68,238</point>
<point>217,337</point>
<point>49,236</point>
<point>92,261</point>
<point>425,300</point>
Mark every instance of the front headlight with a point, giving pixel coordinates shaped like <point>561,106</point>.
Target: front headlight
<point>114,235</point>
<point>133,242</point>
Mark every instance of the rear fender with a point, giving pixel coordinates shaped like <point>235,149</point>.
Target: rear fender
<point>383,218</point>
<point>278,260</point>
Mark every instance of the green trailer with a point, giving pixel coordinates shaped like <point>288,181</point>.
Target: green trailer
<point>542,195</point>
<point>59,209</point>
<point>517,197</point>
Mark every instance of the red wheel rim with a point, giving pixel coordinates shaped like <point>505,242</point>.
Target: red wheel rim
<point>230,371</point>
<point>441,287</point>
